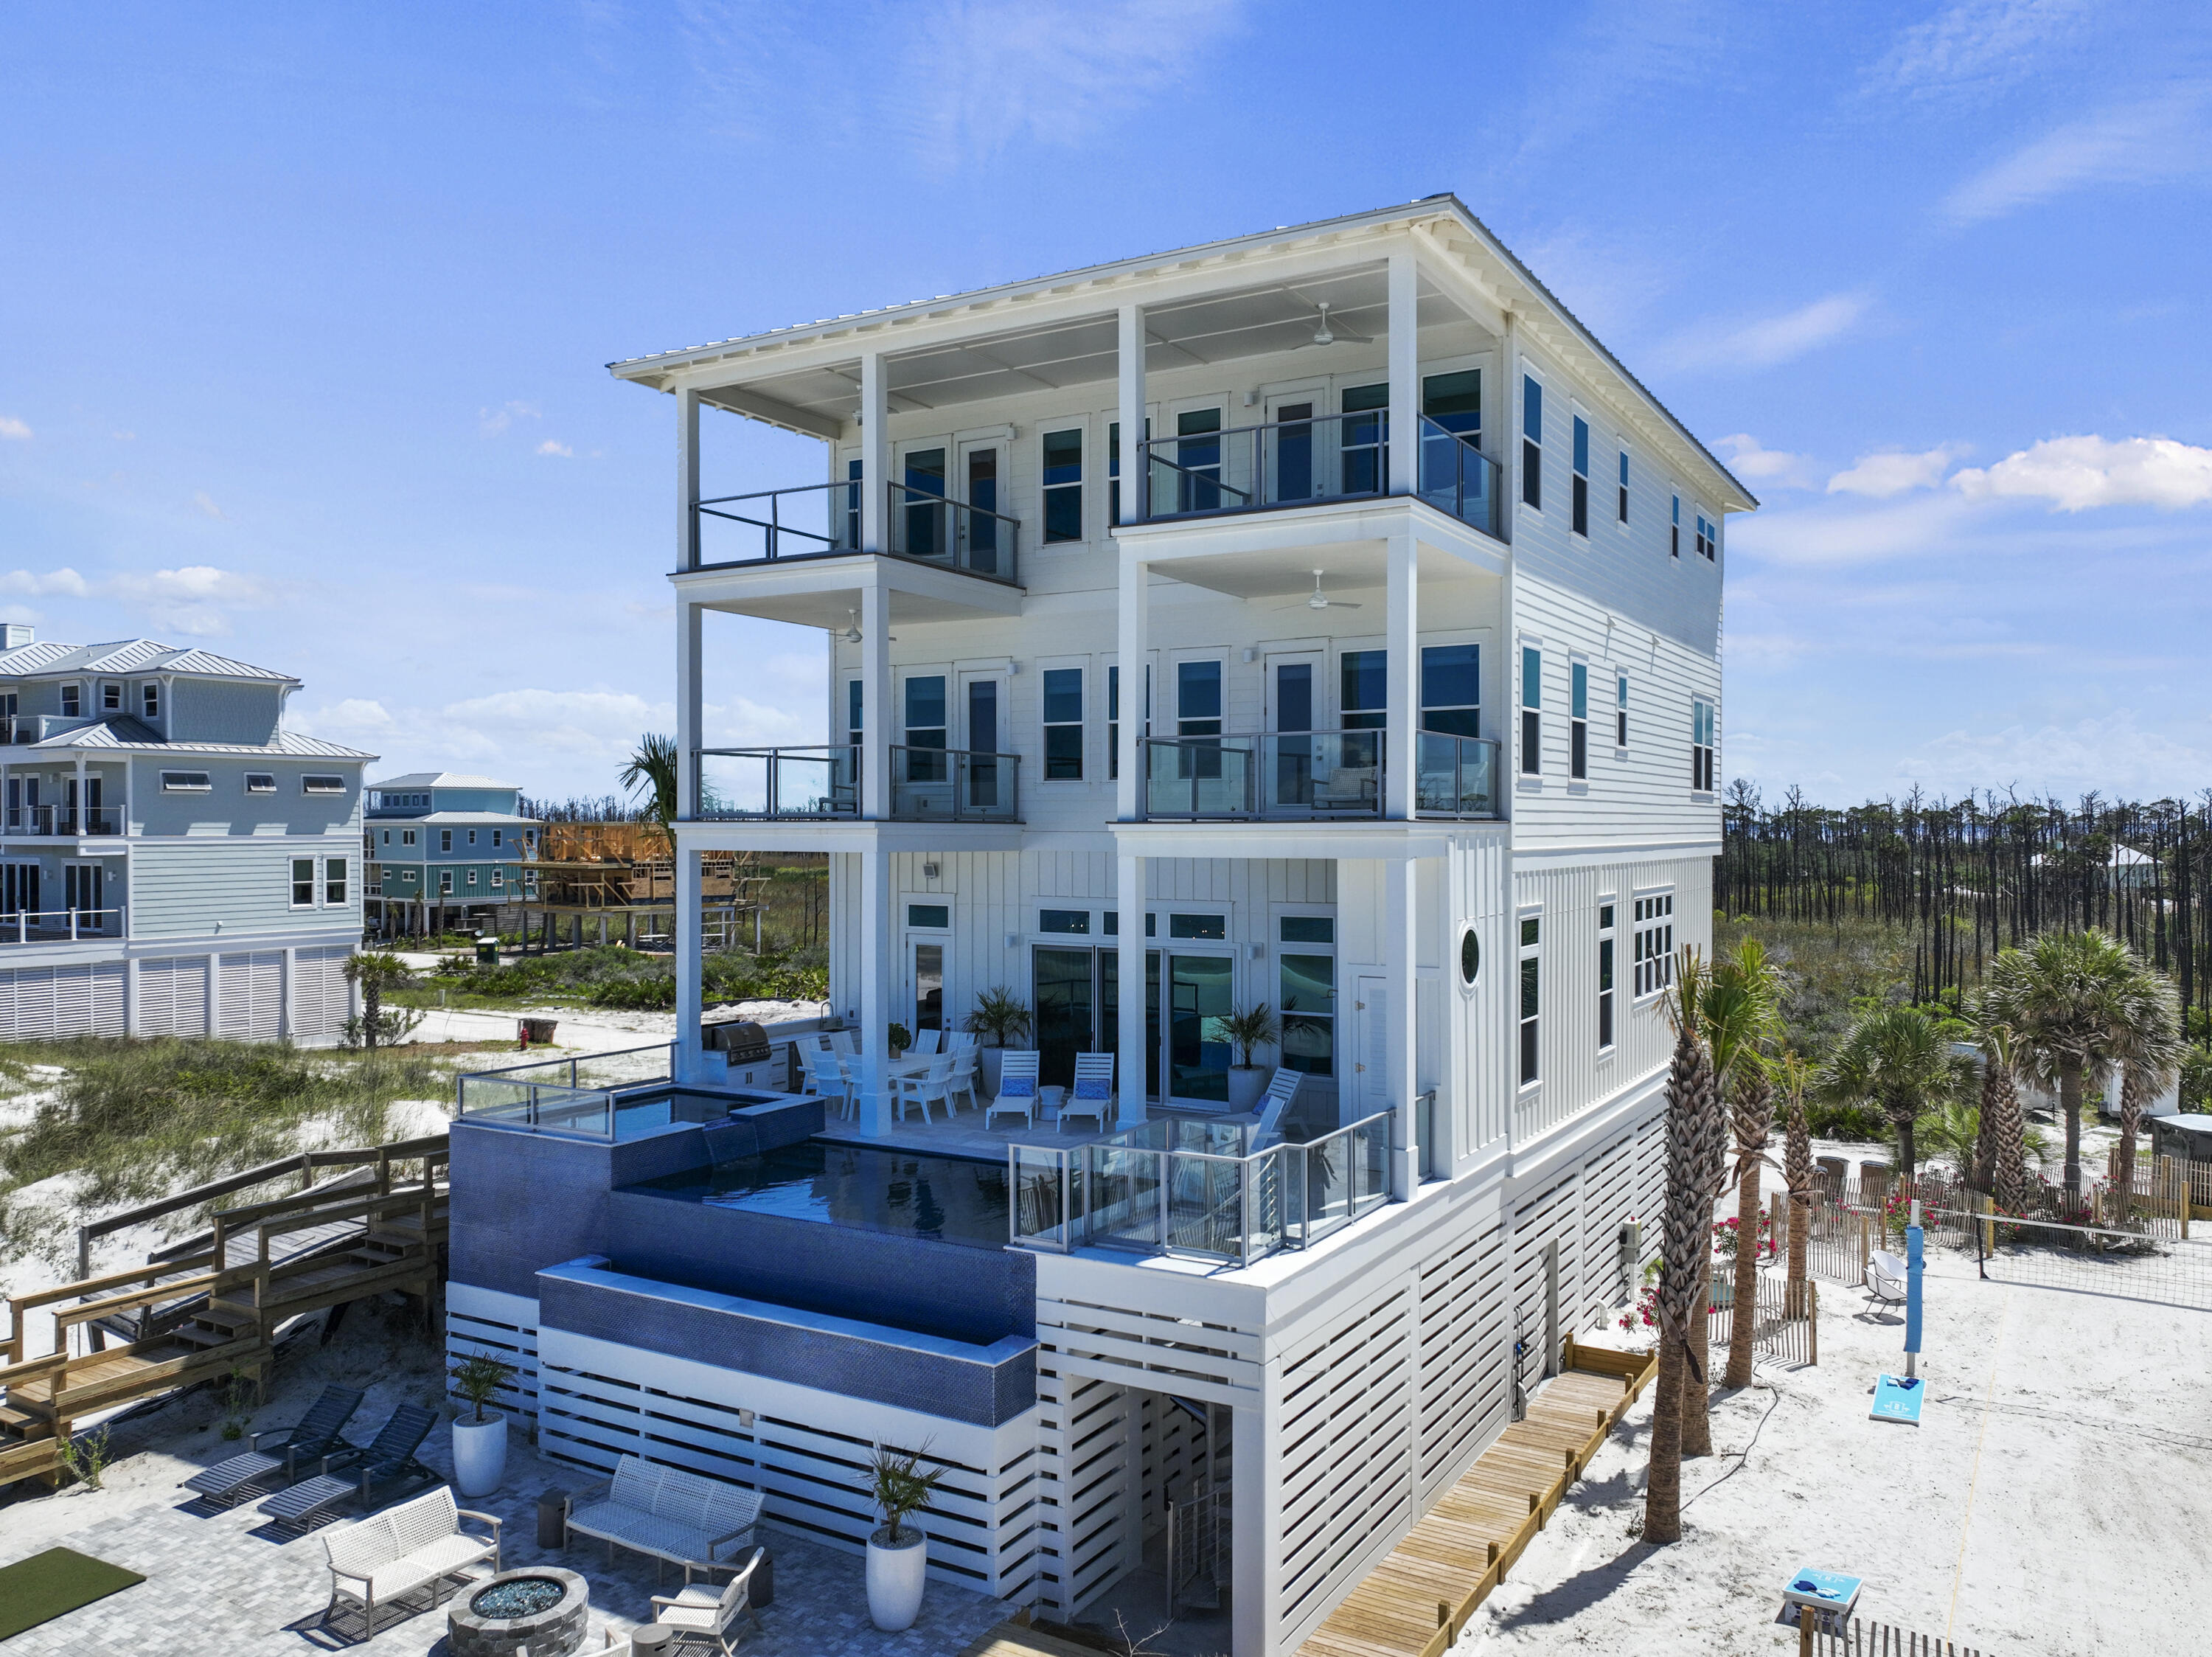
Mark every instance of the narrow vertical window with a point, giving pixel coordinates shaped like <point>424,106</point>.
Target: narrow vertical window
<point>1063,486</point>
<point>1531,995</point>
<point>1451,689</point>
<point>855,711</point>
<point>1532,718</point>
<point>1620,507</point>
<point>1114,474</point>
<point>1708,537</point>
<point>1532,443</point>
<point>150,698</point>
<point>1198,698</point>
<point>1114,721</point>
<point>1581,514</point>
<point>1674,530</point>
<point>925,729</point>
<point>303,882</point>
<point>853,486</point>
<point>72,701</point>
<point>1363,689</point>
<point>334,882</point>
<point>1063,724</point>
<point>1654,944</point>
<point>1620,711</point>
<point>1701,746</point>
<point>1604,976</point>
<point>1578,722</point>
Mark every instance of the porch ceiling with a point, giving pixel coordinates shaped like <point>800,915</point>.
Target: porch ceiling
<point>1348,569</point>
<point>1262,320</point>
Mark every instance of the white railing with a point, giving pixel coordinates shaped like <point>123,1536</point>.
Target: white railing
<point>59,925</point>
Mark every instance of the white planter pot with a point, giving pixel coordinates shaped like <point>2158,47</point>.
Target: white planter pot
<point>1246,1084</point>
<point>988,1061</point>
<point>479,1454</point>
<point>896,1579</point>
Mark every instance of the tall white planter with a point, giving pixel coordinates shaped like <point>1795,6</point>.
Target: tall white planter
<point>1247,1082</point>
<point>988,1061</point>
<point>897,1577</point>
<point>479,1454</point>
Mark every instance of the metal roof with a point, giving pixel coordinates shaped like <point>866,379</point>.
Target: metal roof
<point>396,820</point>
<point>443,780</point>
<point>53,660</point>
<point>1442,205</point>
<point>128,735</point>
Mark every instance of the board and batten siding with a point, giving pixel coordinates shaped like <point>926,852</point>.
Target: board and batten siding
<point>184,888</point>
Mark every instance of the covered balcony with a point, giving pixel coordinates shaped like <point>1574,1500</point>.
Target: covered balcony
<point>927,785</point>
<point>921,524</point>
<point>1314,777</point>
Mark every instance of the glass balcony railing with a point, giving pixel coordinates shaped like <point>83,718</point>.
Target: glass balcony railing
<point>929,785</point>
<point>1311,460</point>
<point>1304,776</point>
<point>1188,1185</point>
<point>816,518</point>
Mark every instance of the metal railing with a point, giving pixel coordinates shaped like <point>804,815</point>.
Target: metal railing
<point>65,819</point>
<point>1307,462</point>
<point>1305,776</point>
<point>814,520</point>
<point>1187,1185</point>
<point>608,1096</point>
<point>929,785</point>
<point>56,925</point>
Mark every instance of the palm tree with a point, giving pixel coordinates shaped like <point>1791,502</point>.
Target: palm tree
<point>1797,1172</point>
<point>1697,1156</point>
<point>2151,1051</point>
<point>1744,1004</point>
<point>375,971</point>
<point>652,771</point>
<point>1898,1057</point>
<point>2065,999</point>
<point>2003,1126</point>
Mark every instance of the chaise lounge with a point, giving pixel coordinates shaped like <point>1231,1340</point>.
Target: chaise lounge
<point>313,1436</point>
<point>675,1516</point>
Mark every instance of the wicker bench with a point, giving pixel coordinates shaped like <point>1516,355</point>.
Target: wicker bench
<point>679,1517</point>
<point>402,1548</point>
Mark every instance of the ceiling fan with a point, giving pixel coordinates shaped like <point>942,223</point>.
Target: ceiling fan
<point>852,633</point>
<point>1318,600</point>
<point>1323,334</point>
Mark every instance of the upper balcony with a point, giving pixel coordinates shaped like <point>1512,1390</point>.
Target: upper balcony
<point>1314,777</point>
<point>824,784</point>
<point>65,821</point>
<point>922,523</point>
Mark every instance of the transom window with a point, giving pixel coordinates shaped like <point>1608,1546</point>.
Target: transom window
<point>1064,922</point>
<point>929,917</point>
<point>1654,943</point>
<point>1200,928</point>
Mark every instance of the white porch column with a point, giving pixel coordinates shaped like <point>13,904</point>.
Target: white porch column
<point>877,713</point>
<point>689,1061</point>
<point>1402,635</point>
<point>1256,1521</point>
<point>1131,362</point>
<point>878,985</point>
<point>687,477</point>
<point>1509,457</point>
<point>1405,360</point>
<point>81,808</point>
<point>875,462</point>
<point>1131,1041</point>
<point>689,703</point>
<point>1133,624</point>
<point>1398,936</point>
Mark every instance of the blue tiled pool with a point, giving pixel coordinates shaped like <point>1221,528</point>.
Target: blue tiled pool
<point>941,1198</point>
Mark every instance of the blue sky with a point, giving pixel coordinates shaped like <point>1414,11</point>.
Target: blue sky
<point>305,314</point>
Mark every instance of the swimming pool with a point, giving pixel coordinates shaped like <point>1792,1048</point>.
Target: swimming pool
<point>940,1199</point>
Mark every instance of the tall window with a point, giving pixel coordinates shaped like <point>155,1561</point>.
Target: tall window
<point>1063,724</point>
<point>444,839</point>
<point>1364,469</point>
<point>1454,401</point>
<point>1451,689</point>
<point>1113,720</point>
<point>1198,698</point>
<point>303,882</point>
<point>1532,718</point>
<point>982,493</point>
<point>1363,680</point>
<point>1604,976</point>
<point>1709,534</point>
<point>334,882</point>
<point>150,697</point>
<point>925,729</point>
<point>1674,530</point>
<point>1654,943</point>
<point>855,712</point>
<point>1620,711</point>
<point>851,504</point>
<point>1532,987</point>
<point>1620,508</point>
<point>1063,486</point>
<point>1198,458</point>
<point>1701,745</point>
<point>1581,476</point>
<point>1532,443</point>
<point>111,699</point>
<point>72,701</point>
<point>1578,722</point>
<point>1306,968</point>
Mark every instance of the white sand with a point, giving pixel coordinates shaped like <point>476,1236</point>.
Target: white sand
<point>2057,1502</point>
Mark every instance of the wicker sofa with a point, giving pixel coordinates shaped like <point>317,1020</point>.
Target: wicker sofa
<point>683,1518</point>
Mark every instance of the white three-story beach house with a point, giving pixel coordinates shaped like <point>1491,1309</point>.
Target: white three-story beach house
<point>175,863</point>
<point>1322,617</point>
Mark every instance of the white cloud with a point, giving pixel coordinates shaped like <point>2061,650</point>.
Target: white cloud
<point>1828,534</point>
<point>64,580</point>
<point>2156,141</point>
<point>1890,472</point>
<point>549,446</point>
<point>1765,341</point>
<point>2075,472</point>
<point>1977,46</point>
<point>11,427</point>
<point>125,436</point>
<point>2111,754</point>
<point>492,421</point>
<point>195,599</point>
<point>200,500</point>
<point>1751,461</point>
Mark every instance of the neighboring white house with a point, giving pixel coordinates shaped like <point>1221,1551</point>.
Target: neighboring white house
<point>175,863</point>
<point>1322,617</point>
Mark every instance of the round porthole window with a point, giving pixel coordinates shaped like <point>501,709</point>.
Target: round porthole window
<point>1470,956</point>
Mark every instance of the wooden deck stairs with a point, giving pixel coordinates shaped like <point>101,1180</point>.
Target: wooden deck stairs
<point>1417,1599</point>
<point>214,1305</point>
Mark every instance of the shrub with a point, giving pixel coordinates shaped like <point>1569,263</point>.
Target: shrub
<point>1859,1123</point>
<point>655,993</point>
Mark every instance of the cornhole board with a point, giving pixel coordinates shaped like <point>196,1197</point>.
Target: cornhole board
<point>1832,1595</point>
<point>1899,1398</point>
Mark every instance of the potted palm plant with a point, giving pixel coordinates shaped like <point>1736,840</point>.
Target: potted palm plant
<point>1245,1029</point>
<point>898,1553</point>
<point>1002,1018</point>
<point>480,1438</point>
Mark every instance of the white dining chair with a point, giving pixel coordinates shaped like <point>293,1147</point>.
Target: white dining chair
<point>838,1077</point>
<point>925,1043</point>
<point>962,1080</point>
<point>925,1087</point>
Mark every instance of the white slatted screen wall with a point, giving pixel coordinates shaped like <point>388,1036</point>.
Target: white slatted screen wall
<point>253,996</point>
<point>44,1003</point>
<point>172,996</point>
<point>319,994</point>
<point>1466,1360</point>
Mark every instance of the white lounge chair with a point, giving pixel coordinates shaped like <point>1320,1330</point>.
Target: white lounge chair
<point>704,1613</point>
<point>924,1088</point>
<point>1092,1095</point>
<point>1275,1105</point>
<point>1018,1089</point>
<point>1886,1276</point>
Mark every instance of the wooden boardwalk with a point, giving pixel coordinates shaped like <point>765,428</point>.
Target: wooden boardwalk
<point>1417,1599</point>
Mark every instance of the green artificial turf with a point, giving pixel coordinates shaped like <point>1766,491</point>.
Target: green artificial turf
<point>42,1587</point>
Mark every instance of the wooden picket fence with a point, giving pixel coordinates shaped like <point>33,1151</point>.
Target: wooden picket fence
<point>1775,1335</point>
<point>1862,1638</point>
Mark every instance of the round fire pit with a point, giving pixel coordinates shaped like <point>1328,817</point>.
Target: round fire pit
<point>541,1607</point>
